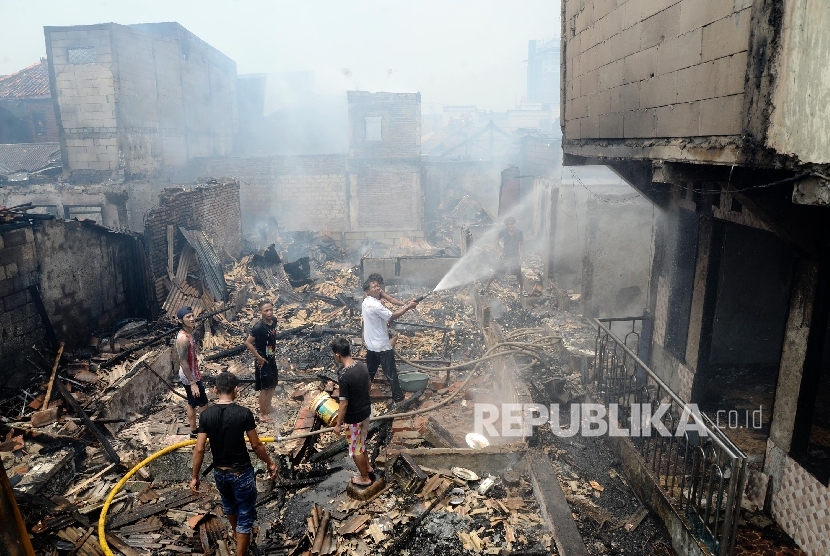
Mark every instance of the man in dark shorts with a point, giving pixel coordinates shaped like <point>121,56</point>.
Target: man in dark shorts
<point>355,407</point>
<point>226,424</point>
<point>510,245</point>
<point>189,374</point>
<point>263,344</point>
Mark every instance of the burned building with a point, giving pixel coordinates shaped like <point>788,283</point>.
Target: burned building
<point>346,196</point>
<point>26,112</point>
<point>144,98</point>
<point>63,281</point>
<point>717,115</point>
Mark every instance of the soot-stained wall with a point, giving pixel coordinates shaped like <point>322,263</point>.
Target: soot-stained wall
<point>749,321</point>
<point>86,278</point>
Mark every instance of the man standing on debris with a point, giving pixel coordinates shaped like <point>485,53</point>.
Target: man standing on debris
<point>226,424</point>
<point>189,373</point>
<point>263,344</point>
<point>510,245</point>
<point>376,319</point>
<point>355,407</point>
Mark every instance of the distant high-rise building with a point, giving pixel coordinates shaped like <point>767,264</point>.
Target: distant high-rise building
<point>543,71</point>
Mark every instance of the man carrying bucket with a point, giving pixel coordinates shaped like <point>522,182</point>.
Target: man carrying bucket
<point>355,407</point>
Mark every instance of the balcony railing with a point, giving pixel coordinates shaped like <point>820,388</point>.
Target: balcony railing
<point>698,468</point>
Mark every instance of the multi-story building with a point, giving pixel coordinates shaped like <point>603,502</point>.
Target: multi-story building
<point>543,71</point>
<point>717,112</point>
<point>140,98</point>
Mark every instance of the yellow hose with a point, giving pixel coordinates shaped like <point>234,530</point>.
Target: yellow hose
<point>102,534</point>
<point>512,346</point>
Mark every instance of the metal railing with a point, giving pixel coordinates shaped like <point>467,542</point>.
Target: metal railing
<point>698,468</point>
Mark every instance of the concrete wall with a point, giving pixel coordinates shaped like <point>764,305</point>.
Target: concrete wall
<point>142,98</point>
<point>137,393</point>
<point>400,124</point>
<point>208,90</point>
<point>654,68</point>
<point>85,95</point>
<point>123,206</point>
<point>617,257</point>
<point>800,101</point>
<point>214,209</point>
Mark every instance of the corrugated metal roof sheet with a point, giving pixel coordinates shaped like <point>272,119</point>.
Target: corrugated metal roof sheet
<point>30,82</point>
<point>209,262</point>
<point>28,157</point>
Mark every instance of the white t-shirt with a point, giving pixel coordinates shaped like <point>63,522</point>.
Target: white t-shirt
<point>375,325</point>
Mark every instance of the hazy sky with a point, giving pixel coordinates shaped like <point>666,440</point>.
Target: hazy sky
<point>453,52</point>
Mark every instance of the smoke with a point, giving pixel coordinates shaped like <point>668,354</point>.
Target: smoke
<point>479,262</point>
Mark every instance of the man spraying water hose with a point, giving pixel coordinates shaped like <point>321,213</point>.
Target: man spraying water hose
<point>376,319</point>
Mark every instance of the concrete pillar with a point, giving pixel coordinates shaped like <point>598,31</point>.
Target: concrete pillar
<point>793,353</point>
<point>701,281</point>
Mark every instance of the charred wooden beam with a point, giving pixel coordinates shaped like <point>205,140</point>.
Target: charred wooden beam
<point>70,399</point>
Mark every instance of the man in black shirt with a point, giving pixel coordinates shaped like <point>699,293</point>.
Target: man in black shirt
<point>355,407</point>
<point>225,424</point>
<point>263,344</point>
<point>510,245</point>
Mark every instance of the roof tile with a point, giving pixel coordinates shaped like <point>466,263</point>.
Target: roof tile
<point>31,82</point>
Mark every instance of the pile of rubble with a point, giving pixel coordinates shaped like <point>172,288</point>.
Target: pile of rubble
<point>65,456</point>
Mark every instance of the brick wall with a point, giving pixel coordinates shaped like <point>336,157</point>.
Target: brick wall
<point>654,68</point>
<point>300,192</point>
<point>400,124</point>
<point>88,278</point>
<point>214,209</point>
<point>20,322</point>
<point>310,192</point>
<point>388,196</point>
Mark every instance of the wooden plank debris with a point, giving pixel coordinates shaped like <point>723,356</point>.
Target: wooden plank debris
<point>184,497</point>
<point>111,454</point>
<point>634,520</point>
<point>48,415</point>
<point>84,484</point>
